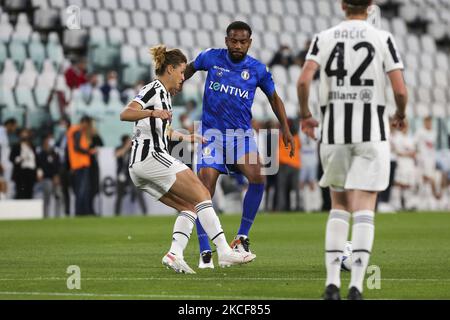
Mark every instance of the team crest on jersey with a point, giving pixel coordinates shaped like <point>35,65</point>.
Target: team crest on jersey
<point>366,95</point>
<point>245,74</point>
<point>219,73</point>
<point>206,151</point>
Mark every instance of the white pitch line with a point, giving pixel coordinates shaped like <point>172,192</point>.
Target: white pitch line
<point>188,278</point>
<point>120,295</point>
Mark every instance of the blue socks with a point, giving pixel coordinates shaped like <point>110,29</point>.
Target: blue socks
<point>252,200</point>
<point>203,239</point>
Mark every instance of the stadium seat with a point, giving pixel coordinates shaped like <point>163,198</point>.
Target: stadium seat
<point>442,61</point>
<point>187,39</point>
<point>291,8</point>
<point>46,18</point>
<point>440,79</point>
<point>54,49</point>
<point>308,8</point>
<point>423,95</point>
<point>114,101</point>
<point>104,18</point>
<point>87,18</point>
<point>134,37</point>
<point>257,41</point>
<point>260,7</point>
<point>425,79</point>
<point>191,21</point>
<point>144,56</point>
<point>306,25</point>
<point>36,50</point>
<point>105,57</point>
<point>321,24</point>
<point>223,20</point>
<point>428,44</point>
<point>279,74</point>
<point>178,5</point>
<point>24,97</point>
<point>294,73</point>
<point>266,55</point>
<point>411,61</point>
<point>174,20</point>
<point>291,92</point>
<point>324,8</point>
<point>132,73</point>
<point>121,18</point>
<point>128,55</point>
<point>27,78</point>
<point>3,55</point>
<point>129,5</point>
<point>244,7</point>
<point>273,23</point>
<point>210,5</point>
<point>41,95</point>
<point>6,30</point>
<point>156,20</point>
<point>151,37</point>
<point>413,44</point>
<point>290,24</point>
<point>145,5</point>
<point>399,27</point>
<point>228,7</point>
<point>115,36</point>
<point>139,19</point>
<point>97,36</point>
<point>257,23</point>
<point>271,41</point>
<point>58,4</point>
<point>207,21</point>
<point>23,29</point>
<point>276,7</point>
<point>112,5</point>
<point>169,38</point>
<point>410,78</point>
<point>17,53</point>
<point>427,61</point>
<point>203,39</point>
<point>47,76</point>
<point>75,39</point>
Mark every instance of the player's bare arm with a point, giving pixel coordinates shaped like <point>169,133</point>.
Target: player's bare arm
<point>278,108</point>
<point>178,136</point>
<point>400,95</point>
<point>134,112</point>
<point>190,70</point>
<point>308,123</point>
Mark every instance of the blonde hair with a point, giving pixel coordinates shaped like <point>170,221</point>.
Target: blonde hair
<point>163,58</point>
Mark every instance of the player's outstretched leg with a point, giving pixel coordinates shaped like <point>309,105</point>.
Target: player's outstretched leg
<point>211,224</point>
<point>205,260</point>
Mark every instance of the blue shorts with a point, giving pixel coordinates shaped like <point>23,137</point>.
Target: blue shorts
<point>222,152</point>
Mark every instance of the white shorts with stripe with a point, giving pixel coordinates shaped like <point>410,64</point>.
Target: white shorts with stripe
<point>156,173</point>
<point>358,166</point>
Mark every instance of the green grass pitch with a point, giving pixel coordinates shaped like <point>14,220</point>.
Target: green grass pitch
<point>120,258</point>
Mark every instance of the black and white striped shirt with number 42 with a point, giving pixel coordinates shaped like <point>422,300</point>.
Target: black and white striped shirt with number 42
<point>354,58</point>
<point>150,135</point>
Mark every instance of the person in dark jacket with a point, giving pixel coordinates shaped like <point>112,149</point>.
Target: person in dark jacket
<point>23,157</point>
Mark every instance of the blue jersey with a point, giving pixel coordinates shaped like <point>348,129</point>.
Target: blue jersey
<point>230,89</point>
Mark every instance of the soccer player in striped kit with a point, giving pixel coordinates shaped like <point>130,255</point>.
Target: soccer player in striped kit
<point>353,58</point>
<point>153,170</point>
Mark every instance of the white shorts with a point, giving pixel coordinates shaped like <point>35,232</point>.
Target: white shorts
<point>156,174</point>
<point>360,166</point>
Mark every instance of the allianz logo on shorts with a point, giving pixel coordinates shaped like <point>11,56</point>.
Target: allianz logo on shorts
<point>232,91</point>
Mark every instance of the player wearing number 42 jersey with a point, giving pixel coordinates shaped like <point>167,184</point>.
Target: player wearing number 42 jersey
<point>353,58</point>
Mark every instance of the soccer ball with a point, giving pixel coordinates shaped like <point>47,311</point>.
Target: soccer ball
<point>346,263</point>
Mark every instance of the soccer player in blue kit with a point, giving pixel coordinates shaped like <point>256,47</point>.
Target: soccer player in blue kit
<point>233,77</point>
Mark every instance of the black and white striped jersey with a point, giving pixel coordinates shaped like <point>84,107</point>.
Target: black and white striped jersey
<point>151,134</point>
<point>354,58</point>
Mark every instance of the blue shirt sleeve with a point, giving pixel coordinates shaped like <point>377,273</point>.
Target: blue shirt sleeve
<point>203,60</point>
<point>266,82</point>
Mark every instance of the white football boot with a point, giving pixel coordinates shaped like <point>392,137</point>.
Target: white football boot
<point>206,261</point>
<point>176,263</point>
<point>232,258</point>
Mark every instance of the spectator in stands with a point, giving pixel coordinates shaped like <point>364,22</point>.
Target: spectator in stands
<point>23,157</point>
<point>289,171</point>
<point>3,184</point>
<point>79,140</point>
<point>64,168</point>
<point>4,147</point>
<point>111,83</point>
<point>11,130</point>
<point>76,74</point>
<point>94,173</point>
<point>124,182</point>
<point>282,57</point>
<point>48,168</point>
<point>301,56</point>
<point>87,88</point>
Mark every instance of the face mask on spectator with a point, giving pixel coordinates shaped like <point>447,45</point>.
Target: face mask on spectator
<point>51,143</point>
<point>112,83</point>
